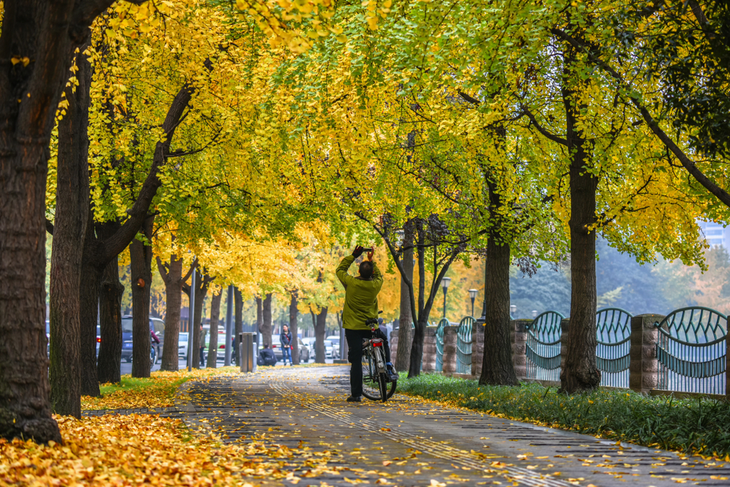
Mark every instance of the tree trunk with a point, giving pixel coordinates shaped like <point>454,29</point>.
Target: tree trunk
<point>266,325</point>
<point>239,323</point>
<point>320,332</point>
<point>46,34</point>
<point>195,336</point>
<point>405,338</point>
<point>173,302</point>
<point>89,317</point>
<point>497,366</point>
<point>141,267</point>
<point>293,314</point>
<point>580,372</point>
<point>110,348</point>
<point>107,302</point>
<point>68,244</point>
<point>215,312</point>
<point>419,332</point>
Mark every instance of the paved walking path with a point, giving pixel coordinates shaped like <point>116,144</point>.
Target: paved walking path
<point>409,441</point>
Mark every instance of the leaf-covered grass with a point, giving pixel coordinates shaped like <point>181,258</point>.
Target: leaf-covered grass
<point>118,450</point>
<point>698,425</point>
<point>157,391</point>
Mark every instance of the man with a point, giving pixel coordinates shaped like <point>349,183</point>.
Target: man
<point>361,304</point>
<point>266,356</point>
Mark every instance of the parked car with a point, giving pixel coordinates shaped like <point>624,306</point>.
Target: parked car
<point>127,342</point>
<point>329,348</point>
<point>335,339</point>
<point>221,353</point>
<point>303,351</point>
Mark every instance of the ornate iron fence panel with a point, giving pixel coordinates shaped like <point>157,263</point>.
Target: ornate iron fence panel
<point>691,351</point>
<point>543,347</point>
<point>463,345</point>
<point>440,344</point>
<point>613,332</point>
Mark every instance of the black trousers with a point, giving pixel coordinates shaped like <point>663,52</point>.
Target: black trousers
<point>354,355</point>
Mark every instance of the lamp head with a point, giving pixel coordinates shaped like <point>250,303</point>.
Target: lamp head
<point>445,282</point>
<point>400,235</point>
<point>473,293</point>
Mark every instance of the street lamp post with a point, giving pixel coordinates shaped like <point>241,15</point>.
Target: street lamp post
<point>473,296</point>
<point>445,285</point>
<point>191,319</point>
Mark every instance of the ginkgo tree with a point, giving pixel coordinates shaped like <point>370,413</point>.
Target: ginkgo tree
<point>36,70</point>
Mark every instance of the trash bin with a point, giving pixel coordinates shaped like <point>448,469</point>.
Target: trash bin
<point>247,352</point>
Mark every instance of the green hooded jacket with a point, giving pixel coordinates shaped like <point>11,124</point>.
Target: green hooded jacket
<point>361,296</point>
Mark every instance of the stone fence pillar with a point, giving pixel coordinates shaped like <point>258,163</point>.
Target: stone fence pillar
<point>518,338</point>
<point>393,343</point>
<point>449,358</point>
<point>477,348</point>
<point>643,369</point>
<point>428,362</point>
<point>564,324</point>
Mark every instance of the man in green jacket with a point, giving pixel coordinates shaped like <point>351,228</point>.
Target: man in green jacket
<point>361,304</point>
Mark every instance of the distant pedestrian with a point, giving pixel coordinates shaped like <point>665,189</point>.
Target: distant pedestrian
<point>285,339</point>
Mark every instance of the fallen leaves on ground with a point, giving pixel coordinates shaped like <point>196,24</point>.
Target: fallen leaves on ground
<point>156,392</point>
<point>143,449</point>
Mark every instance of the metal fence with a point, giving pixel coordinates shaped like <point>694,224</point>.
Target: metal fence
<point>440,344</point>
<point>613,332</point>
<point>463,345</point>
<point>543,347</point>
<point>691,351</point>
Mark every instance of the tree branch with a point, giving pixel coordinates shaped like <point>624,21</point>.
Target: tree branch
<point>547,134</point>
<point>138,213</point>
<point>686,162</point>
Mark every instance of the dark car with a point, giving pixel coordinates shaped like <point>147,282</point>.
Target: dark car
<point>156,325</point>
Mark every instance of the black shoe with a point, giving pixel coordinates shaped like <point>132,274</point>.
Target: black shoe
<point>354,399</point>
<point>392,374</point>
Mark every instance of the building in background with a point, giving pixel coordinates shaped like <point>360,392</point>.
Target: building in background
<point>715,234</point>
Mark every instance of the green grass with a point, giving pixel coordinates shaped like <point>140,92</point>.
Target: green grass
<point>130,383</point>
<point>698,425</point>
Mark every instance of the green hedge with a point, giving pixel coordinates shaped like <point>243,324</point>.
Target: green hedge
<point>689,425</point>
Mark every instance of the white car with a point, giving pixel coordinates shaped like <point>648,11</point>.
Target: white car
<point>335,339</point>
<point>182,344</point>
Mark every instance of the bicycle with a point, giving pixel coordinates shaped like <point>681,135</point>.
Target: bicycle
<point>374,376</point>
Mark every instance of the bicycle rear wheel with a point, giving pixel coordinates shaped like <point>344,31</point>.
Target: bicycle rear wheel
<point>383,386</point>
<point>375,385</point>
<point>370,380</point>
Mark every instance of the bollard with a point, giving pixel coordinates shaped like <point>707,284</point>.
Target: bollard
<point>247,350</point>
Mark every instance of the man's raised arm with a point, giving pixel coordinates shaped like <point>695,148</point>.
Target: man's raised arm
<point>341,271</point>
